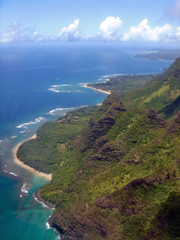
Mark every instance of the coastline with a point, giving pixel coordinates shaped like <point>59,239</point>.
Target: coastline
<point>39,199</point>
<point>100,90</point>
<point>23,165</point>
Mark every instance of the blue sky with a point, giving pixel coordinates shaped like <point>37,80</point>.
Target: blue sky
<point>95,20</point>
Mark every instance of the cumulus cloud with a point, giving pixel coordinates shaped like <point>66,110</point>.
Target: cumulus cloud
<point>109,28</point>
<point>16,33</point>
<point>108,31</point>
<point>143,32</point>
<point>71,32</point>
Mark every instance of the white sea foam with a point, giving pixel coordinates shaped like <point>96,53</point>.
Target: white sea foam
<point>10,173</point>
<point>39,119</point>
<point>58,237</point>
<point>48,225</point>
<point>43,204</point>
<point>4,140</point>
<point>12,137</point>
<point>53,90</point>
<point>25,125</point>
<point>20,196</point>
<point>62,88</point>
<point>106,77</point>
<point>24,131</point>
<point>57,111</point>
<point>61,85</point>
<point>24,188</point>
<point>82,84</point>
<point>58,91</point>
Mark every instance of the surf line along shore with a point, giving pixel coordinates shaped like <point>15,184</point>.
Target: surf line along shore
<point>97,89</point>
<point>23,165</point>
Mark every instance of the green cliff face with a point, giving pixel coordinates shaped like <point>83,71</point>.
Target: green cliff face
<point>117,177</point>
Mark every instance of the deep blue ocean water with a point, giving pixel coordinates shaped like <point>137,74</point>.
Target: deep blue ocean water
<point>37,84</point>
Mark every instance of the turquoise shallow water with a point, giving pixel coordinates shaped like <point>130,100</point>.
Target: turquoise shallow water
<point>23,218</point>
<point>38,84</point>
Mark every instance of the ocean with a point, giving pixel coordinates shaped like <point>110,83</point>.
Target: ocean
<point>40,83</point>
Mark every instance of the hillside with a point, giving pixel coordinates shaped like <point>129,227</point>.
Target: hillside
<point>117,177</point>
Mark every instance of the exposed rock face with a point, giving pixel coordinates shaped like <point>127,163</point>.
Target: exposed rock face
<point>151,181</point>
<point>53,223</point>
<point>111,152</point>
<point>100,128</point>
<point>100,142</point>
<point>154,119</point>
<point>174,127</point>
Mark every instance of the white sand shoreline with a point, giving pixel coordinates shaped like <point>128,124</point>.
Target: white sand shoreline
<point>100,90</point>
<point>23,165</point>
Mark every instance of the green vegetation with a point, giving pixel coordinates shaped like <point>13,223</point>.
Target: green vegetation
<point>123,83</point>
<point>116,175</point>
<point>45,152</point>
<point>162,94</point>
<point>170,54</point>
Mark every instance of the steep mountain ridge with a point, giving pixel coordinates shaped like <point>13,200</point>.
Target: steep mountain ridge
<point>121,186</point>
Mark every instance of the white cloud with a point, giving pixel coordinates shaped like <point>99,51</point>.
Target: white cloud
<point>71,32</point>
<point>143,32</point>
<point>108,31</point>
<point>109,28</point>
<point>177,34</point>
<point>15,33</point>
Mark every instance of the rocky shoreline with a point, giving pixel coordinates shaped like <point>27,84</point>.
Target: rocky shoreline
<point>37,197</point>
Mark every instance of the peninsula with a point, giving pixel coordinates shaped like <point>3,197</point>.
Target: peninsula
<point>23,165</point>
<point>161,54</point>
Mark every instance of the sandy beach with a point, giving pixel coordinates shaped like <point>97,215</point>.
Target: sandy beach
<point>21,164</point>
<point>100,90</point>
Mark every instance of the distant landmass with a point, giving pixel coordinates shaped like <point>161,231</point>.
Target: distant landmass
<point>161,54</point>
<point>115,168</point>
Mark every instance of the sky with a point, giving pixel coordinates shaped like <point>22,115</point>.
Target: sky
<point>89,20</point>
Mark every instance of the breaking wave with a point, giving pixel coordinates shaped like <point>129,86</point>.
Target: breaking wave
<point>25,125</point>
<point>10,173</point>
<point>38,201</point>
<point>25,188</point>
<point>65,88</point>
<point>105,78</point>
<point>58,111</point>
